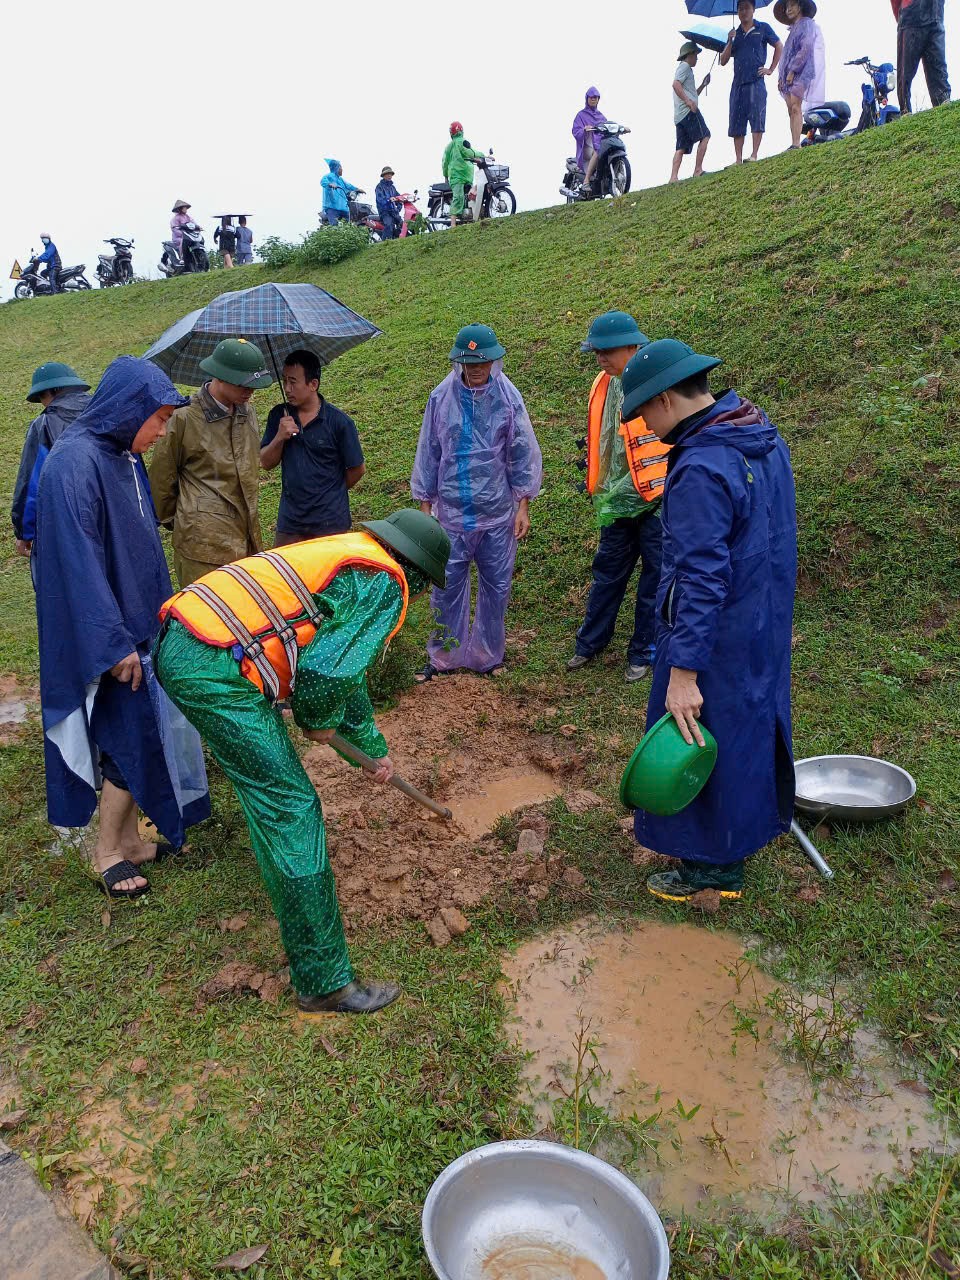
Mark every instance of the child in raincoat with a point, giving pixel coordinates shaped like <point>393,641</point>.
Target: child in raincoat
<point>458,170</point>
<point>478,466</point>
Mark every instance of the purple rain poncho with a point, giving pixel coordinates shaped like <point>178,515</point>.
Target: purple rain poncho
<point>805,55</point>
<point>477,456</point>
<point>580,121</point>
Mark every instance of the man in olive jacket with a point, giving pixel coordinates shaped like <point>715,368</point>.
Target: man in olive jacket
<point>205,473</point>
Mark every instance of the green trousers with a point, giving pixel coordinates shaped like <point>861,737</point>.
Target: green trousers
<point>250,743</point>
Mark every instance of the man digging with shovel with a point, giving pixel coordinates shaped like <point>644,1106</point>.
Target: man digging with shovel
<point>305,622</point>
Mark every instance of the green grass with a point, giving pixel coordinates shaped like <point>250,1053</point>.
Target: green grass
<point>830,283</point>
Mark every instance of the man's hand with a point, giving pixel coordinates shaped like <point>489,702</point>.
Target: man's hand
<point>319,735</point>
<point>287,427</point>
<point>765,71</point>
<point>731,35</point>
<point>23,546</point>
<point>705,82</point>
<point>521,525</point>
<point>790,77</point>
<point>128,671</point>
<point>384,772</point>
<point>684,701</point>
<point>588,128</point>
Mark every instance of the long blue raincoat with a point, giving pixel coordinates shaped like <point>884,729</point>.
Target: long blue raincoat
<point>101,579</point>
<point>725,610</point>
<point>335,188</point>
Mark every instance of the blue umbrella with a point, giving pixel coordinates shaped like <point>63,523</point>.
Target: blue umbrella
<point>718,8</point>
<point>279,318</point>
<point>706,36</point>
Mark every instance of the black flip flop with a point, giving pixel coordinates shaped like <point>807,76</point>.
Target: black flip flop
<point>113,875</point>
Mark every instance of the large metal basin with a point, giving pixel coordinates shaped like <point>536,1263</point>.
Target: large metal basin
<point>852,788</point>
<point>530,1210</point>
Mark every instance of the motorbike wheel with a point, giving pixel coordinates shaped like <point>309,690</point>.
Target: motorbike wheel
<point>440,209</point>
<point>503,204</point>
<point>79,284</point>
<point>201,261</point>
<point>104,284</point>
<point>22,290</point>
<point>125,272</point>
<point>619,177</point>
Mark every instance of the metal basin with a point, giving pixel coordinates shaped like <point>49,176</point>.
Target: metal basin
<point>530,1210</point>
<point>852,788</point>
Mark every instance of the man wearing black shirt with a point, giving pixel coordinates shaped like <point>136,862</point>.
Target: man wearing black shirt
<point>921,38</point>
<point>319,455</point>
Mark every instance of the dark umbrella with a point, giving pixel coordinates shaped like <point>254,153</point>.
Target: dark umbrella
<point>279,318</point>
<point>718,8</point>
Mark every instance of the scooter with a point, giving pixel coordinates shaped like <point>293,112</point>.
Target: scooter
<point>116,268</point>
<point>826,123</point>
<point>410,213</point>
<point>491,196</point>
<point>33,285</point>
<point>191,257</point>
<point>877,108</point>
<point>612,176</point>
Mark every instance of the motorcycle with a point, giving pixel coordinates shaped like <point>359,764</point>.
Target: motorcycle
<point>363,215</point>
<point>33,285</point>
<point>490,198</point>
<point>117,267</point>
<point>612,176</point>
<point>192,256</point>
<point>829,122</point>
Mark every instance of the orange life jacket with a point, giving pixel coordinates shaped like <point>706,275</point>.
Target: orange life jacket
<point>646,453</point>
<point>265,603</point>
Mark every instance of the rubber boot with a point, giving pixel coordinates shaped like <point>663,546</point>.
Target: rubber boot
<point>692,877</point>
<point>355,997</point>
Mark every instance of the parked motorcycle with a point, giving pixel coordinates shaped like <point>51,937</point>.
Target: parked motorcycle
<point>190,258</point>
<point>363,214</point>
<point>33,285</point>
<point>876,106</point>
<point>612,176</point>
<point>492,196</point>
<point>826,123</point>
<point>116,268</point>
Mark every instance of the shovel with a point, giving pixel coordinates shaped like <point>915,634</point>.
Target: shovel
<point>360,757</point>
<point>810,849</point>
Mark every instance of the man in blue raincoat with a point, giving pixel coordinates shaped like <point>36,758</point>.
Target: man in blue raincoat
<point>335,188</point>
<point>478,467</point>
<point>725,616</point>
<point>101,578</point>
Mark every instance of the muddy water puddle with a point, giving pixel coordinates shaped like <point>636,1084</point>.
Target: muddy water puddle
<point>524,1259</point>
<point>686,1041</point>
<point>502,793</point>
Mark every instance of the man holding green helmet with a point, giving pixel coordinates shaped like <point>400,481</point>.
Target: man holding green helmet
<point>626,468</point>
<point>303,622</point>
<point>478,466</point>
<point>205,473</point>
<point>724,616</point>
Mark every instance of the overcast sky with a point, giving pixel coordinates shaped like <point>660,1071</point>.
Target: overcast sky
<point>114,110</point>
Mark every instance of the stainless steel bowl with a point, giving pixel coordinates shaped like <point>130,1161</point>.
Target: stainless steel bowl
<point>852,788</point>
<point>525,1210</point>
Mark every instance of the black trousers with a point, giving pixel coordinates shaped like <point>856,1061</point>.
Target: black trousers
<point>927,45</point>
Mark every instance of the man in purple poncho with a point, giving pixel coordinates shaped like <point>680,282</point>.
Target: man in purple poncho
<point>584,124</point>
<point>478,466</point>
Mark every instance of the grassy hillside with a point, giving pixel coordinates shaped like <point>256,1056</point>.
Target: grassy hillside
<point>829,281</point>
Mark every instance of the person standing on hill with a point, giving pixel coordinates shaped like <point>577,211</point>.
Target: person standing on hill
<point>225,236</point>
<point>317,447</point>
<point>692,129</point>
<point>626,469</point>
<point>244,242</point>
<point>747,45</point>
<point>724,616</point>
<point>802,79</point>
<point>336,206</point>
<point>921,37</point>
<point>388,202</point>
<point>584,126</point>
<point>478,467</point>
<point>205,473</point>
<point>458,170</point>
<point>64,397</point>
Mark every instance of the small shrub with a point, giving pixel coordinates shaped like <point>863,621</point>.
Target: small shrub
<point>327,245</point>
<point>275,252</point>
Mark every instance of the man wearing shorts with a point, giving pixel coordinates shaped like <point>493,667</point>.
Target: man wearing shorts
<point>747,45</point>
<point>692,130</point>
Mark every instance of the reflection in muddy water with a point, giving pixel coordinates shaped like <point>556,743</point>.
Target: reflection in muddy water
<point>13,711</point>
<point>502,792</point>
<point>680,1024</point>
<point>521,1258</point>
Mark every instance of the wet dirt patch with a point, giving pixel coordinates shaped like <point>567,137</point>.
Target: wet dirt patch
<point>16,704</point>
<point>465,744</point>
<point>683,1041</point>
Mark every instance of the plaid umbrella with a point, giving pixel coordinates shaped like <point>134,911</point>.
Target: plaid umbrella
<point>279,318</point>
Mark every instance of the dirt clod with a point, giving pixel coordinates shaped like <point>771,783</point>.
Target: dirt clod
<point>12,1120</point>
<point>573,878</point>
<point>235,923</point>
<point>236,978</point>
<point>583,801</point>
<point>810,893</point>
<point>531,843</point>
<point>946,882</point>
<point>534,822</point>
<point>439,933</point>
<point>456,922</point>
<point>707,900</point>
<point>139,1067</point>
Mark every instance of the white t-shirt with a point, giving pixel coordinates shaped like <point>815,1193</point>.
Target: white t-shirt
<point>688,82</point>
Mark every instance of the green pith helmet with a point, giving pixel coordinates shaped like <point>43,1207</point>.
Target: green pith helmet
<point>416,537</point>
<point>239,363</point>
<point>53,376</point>
<point>614,329</point>
<point>658,367</point>
<point>475,344</point>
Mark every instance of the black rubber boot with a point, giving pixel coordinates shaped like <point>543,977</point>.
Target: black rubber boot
<point>693,877</point>
<point>355,997</point>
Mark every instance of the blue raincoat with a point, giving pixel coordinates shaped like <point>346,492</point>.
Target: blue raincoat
<point>725,610</point>
<point>101,579</point>
<point>335,188</point>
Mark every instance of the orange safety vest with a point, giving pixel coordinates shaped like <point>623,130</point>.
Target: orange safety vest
<point>265,603</point>
<point>646,453</point>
